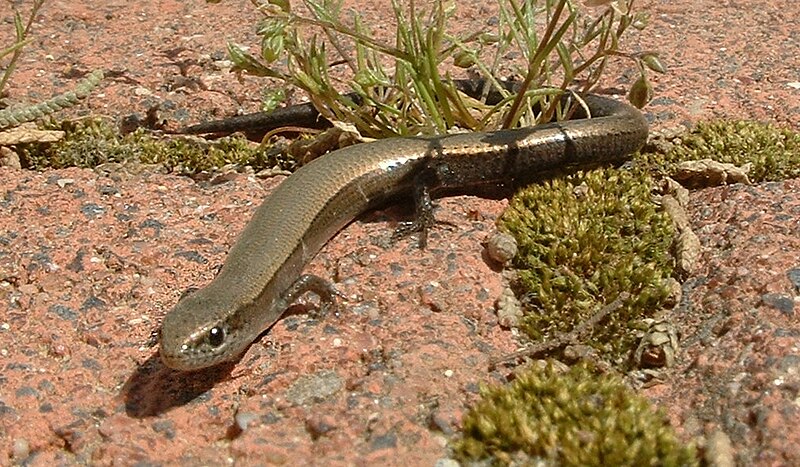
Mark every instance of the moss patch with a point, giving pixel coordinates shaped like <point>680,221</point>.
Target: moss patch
<point>584,239</point>
<point>89,143</point>
<point>577,418</point>
<point>587,237</point>
<point>774,152</point>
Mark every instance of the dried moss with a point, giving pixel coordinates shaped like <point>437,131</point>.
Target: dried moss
<point>774,152</point>
<point>577,418</point>
<point>89,143</point>
<point>584,239</point>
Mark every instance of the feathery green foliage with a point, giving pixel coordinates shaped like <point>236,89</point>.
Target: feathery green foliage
<point>402,87</point>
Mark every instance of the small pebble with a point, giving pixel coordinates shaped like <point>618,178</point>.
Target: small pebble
<point>781,302</point>
<point>320,425</point>
<point>794,277</point>
<point>21,449</point>
<point>245,419</point>
<point>501,247</point>
<point>509,309</point>
<point>719,450</point>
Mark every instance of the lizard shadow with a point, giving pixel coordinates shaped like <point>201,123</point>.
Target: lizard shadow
<point>153,388</point>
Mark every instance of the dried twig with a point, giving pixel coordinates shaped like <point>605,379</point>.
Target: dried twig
<point>563,339</point>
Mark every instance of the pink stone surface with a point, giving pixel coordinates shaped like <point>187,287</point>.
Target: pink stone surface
<point>89,264</point>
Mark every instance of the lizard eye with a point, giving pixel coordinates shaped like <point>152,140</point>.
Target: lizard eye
<point>216,336</point>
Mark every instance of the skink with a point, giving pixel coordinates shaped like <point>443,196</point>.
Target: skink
<point>261,276</point>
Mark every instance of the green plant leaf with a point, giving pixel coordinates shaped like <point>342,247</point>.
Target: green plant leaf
<point>653,62</point>
<point>641,92</point>
<point>242,60</point>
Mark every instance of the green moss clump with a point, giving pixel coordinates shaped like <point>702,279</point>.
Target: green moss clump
<point>774,152</point>
<point>576,418</point>
<point>584,239</point>
<point>89,143</point>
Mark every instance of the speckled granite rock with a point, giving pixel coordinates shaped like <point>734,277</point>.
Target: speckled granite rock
<point>89,265</point>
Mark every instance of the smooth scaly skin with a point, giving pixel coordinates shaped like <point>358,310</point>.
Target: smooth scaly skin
<point>260,276</point>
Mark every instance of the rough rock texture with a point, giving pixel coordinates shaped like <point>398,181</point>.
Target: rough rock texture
<point>89,264</point>
<point>740,369</point>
